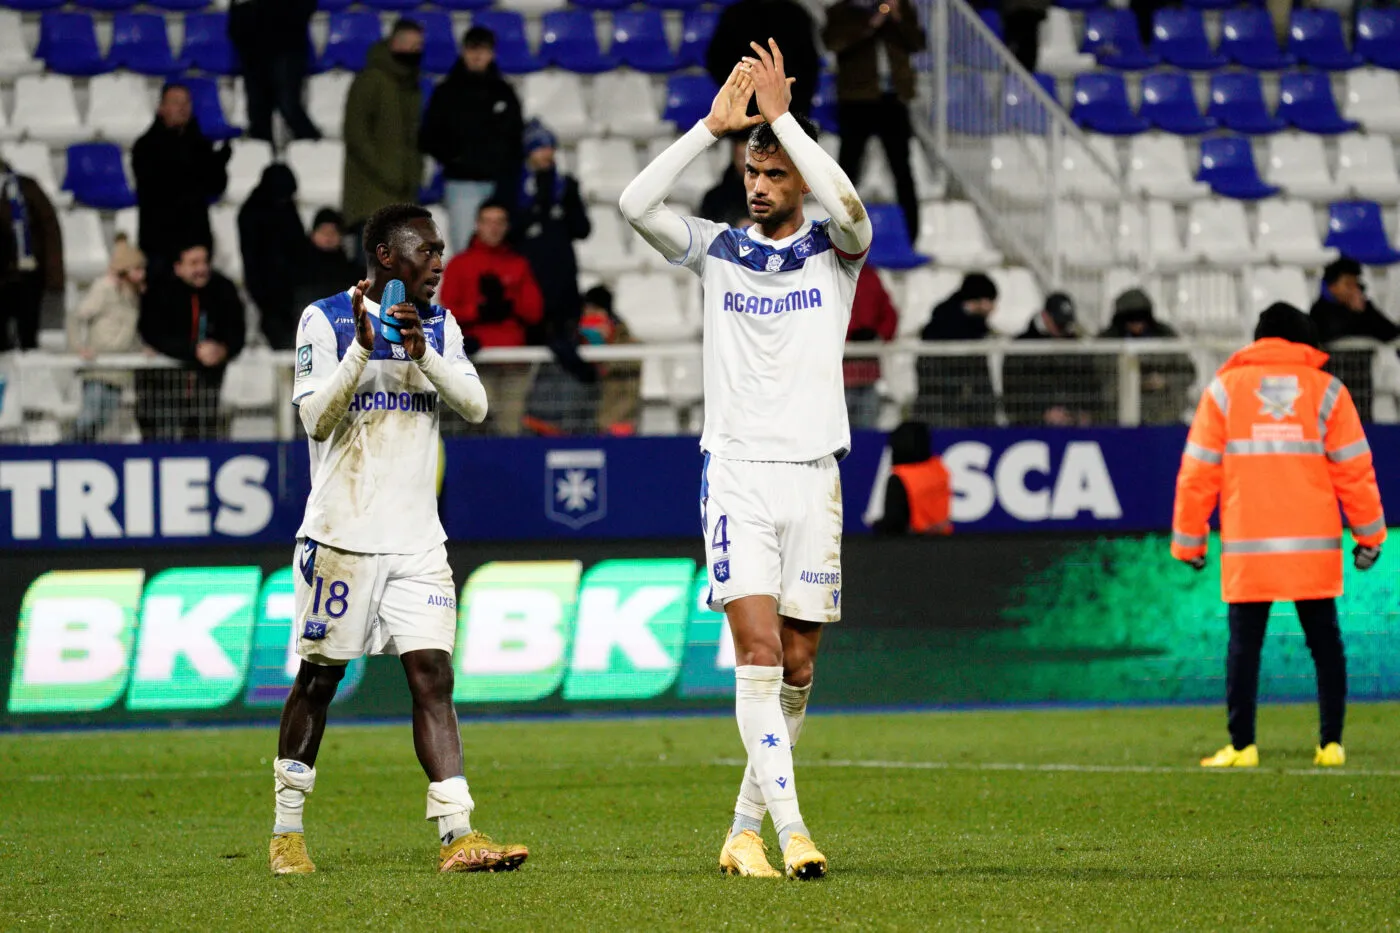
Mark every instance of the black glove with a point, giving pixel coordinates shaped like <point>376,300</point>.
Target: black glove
<point>862,335</point>
<point>494,306</point>
<point>1365,557</point>
<point>1196,563</point>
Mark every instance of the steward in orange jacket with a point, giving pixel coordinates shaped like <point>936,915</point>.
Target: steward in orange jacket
<point>1277,442</point>
<point>918,494</point>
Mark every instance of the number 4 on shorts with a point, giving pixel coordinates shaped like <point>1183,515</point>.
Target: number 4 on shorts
<point>720,541</point>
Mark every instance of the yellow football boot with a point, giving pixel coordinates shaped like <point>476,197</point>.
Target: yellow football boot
<point>802,859</point>
<point>287,853</point>
<point>746,855</point>
<point>1331,755</point>
<point>476,852</point>
<point>1231,757</point>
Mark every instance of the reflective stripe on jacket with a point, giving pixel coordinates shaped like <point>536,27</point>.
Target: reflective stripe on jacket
<point>1277,442</point>
<point>930,496</point>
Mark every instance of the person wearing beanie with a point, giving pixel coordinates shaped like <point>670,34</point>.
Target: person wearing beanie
<point>549,218</point>
<point>956,391</point>
<point>1166,378</point>
<point>1133,317</point>
<point>1276,444</point>
<point>473,128</point>
<point>274,250</point>
<point>326,267</point>
<point>105,322</point>
<point>1059,390</point>
<point>1344,310</point>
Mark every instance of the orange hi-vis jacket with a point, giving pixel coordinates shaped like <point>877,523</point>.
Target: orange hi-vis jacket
<point>930,496</point>
<point>1277,441</point>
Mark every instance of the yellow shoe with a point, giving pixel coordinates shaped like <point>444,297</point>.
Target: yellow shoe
<point>1331,755</point>
<point>802,859</point>
<point>287,853</point>
<point>746,855</point>
<point>476,852</point>
<point>1231,757</point>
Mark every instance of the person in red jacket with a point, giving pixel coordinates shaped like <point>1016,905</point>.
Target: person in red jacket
<point>494,296</point>
<point>873,317</point>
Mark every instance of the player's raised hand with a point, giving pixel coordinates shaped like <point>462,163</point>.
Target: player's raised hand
<point>771,85</point>
<point>364,330</point>
<point>410,328</point>
<point>729,112</point>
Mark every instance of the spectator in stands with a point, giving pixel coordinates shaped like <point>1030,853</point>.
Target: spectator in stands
<point>785,21</point>
<point>1021,21</point>
<point>957,390</point>
<point>274,250</point>
<point>31,257</point>
<point>274,48</point>
<point>1165,377</point>
<point>473,129</point>
<point>872,40</point>
<point>919,493</point>
<point>727,202</point>
<point>195,317</point>
<point>382,162</point>
<point>493,294</point>
<point>326,269</point>
<point>549,217</point>
<point>179,174</point>
<point>105,322</point>
<point>1344,311</point>
<point>1060,390</point>
<point>619,382</point>
<point>873,318</point>
<point>564,397</point>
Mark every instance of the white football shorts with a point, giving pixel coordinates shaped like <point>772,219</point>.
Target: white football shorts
<point>349,604</point>
<point>774,529</point>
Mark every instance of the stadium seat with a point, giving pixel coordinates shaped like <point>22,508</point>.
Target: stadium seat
<point>607,250</point>
<point>513,53</point>
<point>1306,102</point>
<point>97,177</point>
<point>1355,228</point>
<point>207,47</point>
<point>952,233</point>
<point>15,59</point>
<point>1157,167</point>
<point>331,6</point>
<point>569,40</point>
<point>890,248</point>
<point>608,165</point>
<point>245,168</point>
<point>120,107</point>
<point>1373,99</point>
<point>1378,35</point>
<point>1315,37</point>
<point>1169,103</point>
<point>1151,239</point>
<point>1101,104</point>
<point>434,188</point>
<point>47,109</point>
<point>1082,234</point>
<point>651,305</point>
<point>351,33</point>
<point>1218,234</point>
<point>623,103</point>
<point>1059,49</point>
<point>639,40</point>
<point>141,44</point>
<point>971,107</point>
<point>1111,36</point>
<point>179,6</point>
<point>84,247</point>
<point>209,110</point>
<point>1237,103</point>
<point>1287,233</point>
<point>1179,37</point>
<point>686,5</point>
<point>823,104</point>
<point>1366,167</point>
<point>1227,165</point>
<point>318,166</point>
<point>1018,169</point>
<point>228,254</point>
<point>32,158</point>
<point>33,6</point>
<point>1298,164</point>
<point>688,99</point>
<point>1019,299</point>
<point>557,99</point>
<point>393,6</point>
<point>1091,174</point>
<point>924,288</point>
<point>1024,110</point>
<point>325,100</point>
<point>439,42</point>
<point>697,28</point>
<point>602,4</point>
<point>456,4</point>
<point>68,44</point>
<point>1247,38</point>
<point>1265,285</point>
<point>7,130</point>
<point>1208,304</point>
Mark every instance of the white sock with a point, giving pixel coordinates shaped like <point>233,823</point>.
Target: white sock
<point>749,809</point>
<point>451,804</point>
<point>292,782</point>
<point>758,708</point>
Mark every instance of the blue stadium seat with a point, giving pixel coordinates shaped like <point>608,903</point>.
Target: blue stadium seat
<point>1211,4</point>
<point>1315,36</point>
<point>206,44</point>
<point>426,85</point>
<point>350,36</point>
<point>1101,104</point>
<point>141,44</point>
<point>639,40</point>
<point>602,4</point>
<point>96,176</point>
<point>1021,110</point>
<point>439,45</point>
<point>890,248</point>
<point>513,53</point>
<point>970,105</point>
<point>569,40</point>
<point>688,98</point>
<point>106,6</point>
<point>697,29</point>
<point>992,17</point>
<point>676,4</point>
<point>68,44</point>
<point>1081,4</point>
<point>33,6</point>
<point>1111,36</point>
<point>178,6</point>
<point>208,110</point>
<point>1227,165</point>
<point>824,113</point>
<point>1179,36</point>
<point>463,4</point>
<point>333,6</point>
<point>1378,36</point>
<point>1247,38</point>
<point>1237,103</point>
<point>1355,228</point>
<point>1169,103</point>
<point>1306,101</point>
<point>393,6</point>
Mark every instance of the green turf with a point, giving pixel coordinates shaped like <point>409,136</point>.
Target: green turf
<point>169,830</point>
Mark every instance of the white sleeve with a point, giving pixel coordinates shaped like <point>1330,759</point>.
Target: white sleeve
<point>849,229</point>
<point>316,356</point>
<point>322,386</point>
<point>453,375</point>
<point>682,240</point>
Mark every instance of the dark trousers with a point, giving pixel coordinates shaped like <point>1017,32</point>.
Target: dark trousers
<point>887,119</point>
<point>24,301</point>
<point>1247,623</point>
<point>274,82</point>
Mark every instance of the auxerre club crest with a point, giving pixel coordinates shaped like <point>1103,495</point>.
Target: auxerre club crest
<point>1278,393</point>
<point>775,262</point>
<point>575,486</point>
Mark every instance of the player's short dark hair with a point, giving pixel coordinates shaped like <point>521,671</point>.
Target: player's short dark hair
<point>763,139</point>
<point>387,224</point>
<point>1339,268</point>
<point>404,24</point>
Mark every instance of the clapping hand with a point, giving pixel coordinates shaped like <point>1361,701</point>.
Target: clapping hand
<point>729,112</point>
<point>364,330</point>
<point>771,85</point>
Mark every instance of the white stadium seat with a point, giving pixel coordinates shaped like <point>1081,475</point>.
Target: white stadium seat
<point>85,253</point>
<point>1083,234</point>
<point>1019,299</point>
<point>1208,303</point>
<point>556,98</point>
<point>1157,166</point>
<point>126,221</point>
<point>228,256</point>
<point>250,382</point>
<point>608,249</point>
<point>250,157</point>
<point>652,306</point>
<point>120,106</point>
<point>609,165</point>
<point>924,288</point>
<point>1366,166</point>
<point>1059,46</point>
<point>626,104</point>
<point>1153,239</point>
<point>325,101</point>
<point>15,58</point>
<point>1287,233</point>
<point>1086,176</point>
<point>47,109</point>
<point>1217,234</point>
<point>1298,164</point>
<point>1373,100</point>
<point>952,232</point>
<point>32,158</point>
<point>1017,170</point>
<point>320,169</point>
<point>1265,285</point>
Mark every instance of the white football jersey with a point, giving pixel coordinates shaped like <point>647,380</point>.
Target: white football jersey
<point>775,318</point>
<point>374,480</point>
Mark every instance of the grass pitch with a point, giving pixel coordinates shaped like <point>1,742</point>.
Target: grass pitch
<point>1019,820</point>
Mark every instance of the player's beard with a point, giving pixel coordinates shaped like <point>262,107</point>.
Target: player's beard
<point>776,216</point>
